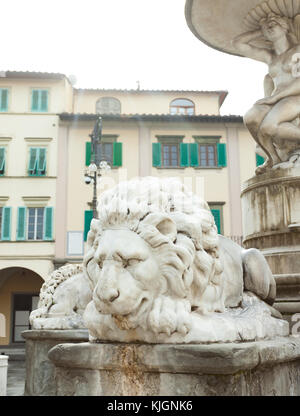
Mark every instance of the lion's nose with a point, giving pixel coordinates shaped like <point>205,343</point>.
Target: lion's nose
<point>109,295</point>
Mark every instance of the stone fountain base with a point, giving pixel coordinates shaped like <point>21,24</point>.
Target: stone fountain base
<point>39,369</point>
<point>263,368</point>
<point>271,212</point>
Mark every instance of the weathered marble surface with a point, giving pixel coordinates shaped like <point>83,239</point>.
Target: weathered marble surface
<point>261,368</point>
<point>267,31</point>
<point>271,223</point>
<point>39,370</point>
<point>3,374</point>
<point>218,22</point>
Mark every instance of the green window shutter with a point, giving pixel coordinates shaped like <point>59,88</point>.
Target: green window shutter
<point>2,160</point>
<point>48,220</point>
<point>222,157</point>
<point>259,160</point>
<point>156,154</point>
<point>184,154</point>
<point>217,216</point>
<point>88,152</point>
<point>44,100</point>
<point>6,223</point>
<point>32,161</point>
<point>41,161</point>
<point>35,100</point>
<point>21,225</point>
<point>88,216</point>
<point>117,154</point>
<point>194,154</point>
<point>3,99</point>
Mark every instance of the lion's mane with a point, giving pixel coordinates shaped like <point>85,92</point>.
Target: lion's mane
<point>190,261</point>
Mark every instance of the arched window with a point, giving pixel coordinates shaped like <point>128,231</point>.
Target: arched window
<point>182,106</point>
<point>108,105</point>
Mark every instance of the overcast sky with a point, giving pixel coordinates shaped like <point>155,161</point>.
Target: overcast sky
<point>115,43</point>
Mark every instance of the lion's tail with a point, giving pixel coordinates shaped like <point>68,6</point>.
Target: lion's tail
<point>258,277</point>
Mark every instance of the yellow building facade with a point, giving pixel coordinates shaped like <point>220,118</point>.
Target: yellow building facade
<point>45,204</point>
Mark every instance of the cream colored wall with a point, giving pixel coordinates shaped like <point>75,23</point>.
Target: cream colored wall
<point>145,103</point>
<point>18,283</point>
<point>210,184</point>
<point>26,131</point>
<point>79,194</point>
<point>20,94</point>
<point>18,133</point>
<point>247,155</point>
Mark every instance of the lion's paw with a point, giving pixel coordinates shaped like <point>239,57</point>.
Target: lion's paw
<point>170,315</point>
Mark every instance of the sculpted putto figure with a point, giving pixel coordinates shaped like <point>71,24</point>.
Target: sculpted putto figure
<point>160,272</point>
<point>273,120</point>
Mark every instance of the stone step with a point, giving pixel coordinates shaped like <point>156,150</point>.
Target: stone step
<point>14,354</point>
<point>287,279</point>
<point>287,307</point>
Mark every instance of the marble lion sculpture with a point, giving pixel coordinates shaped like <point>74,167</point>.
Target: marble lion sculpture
<point>157,271</point>
<point>160,272</point>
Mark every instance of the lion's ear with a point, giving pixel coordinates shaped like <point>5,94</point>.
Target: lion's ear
<point>164,224</point>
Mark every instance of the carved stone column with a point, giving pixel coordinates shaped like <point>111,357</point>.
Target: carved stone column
<point>271,223</point>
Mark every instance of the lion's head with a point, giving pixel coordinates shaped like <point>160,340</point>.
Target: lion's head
<point>153,252</point>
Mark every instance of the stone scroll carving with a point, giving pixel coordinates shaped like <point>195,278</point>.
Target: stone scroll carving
<point>273,37</point>
<point>160,273</point>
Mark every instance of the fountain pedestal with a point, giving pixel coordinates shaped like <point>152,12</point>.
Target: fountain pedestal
<point>271,223</point>
<point>39,369</point>
<point>260,368</point>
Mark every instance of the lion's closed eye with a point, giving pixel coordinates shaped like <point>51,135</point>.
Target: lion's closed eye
<point>133,262</point>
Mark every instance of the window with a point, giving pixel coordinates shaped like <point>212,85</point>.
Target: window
<point>39,101</point>
<point>109,150</point>
<point>2,161</point>
<point>37,161</point>
<point>34,223</point>
<point>208,155</point>
<point>3,99</point>
<point>172,152</point>
<point>108,105</point>
<point>217,212</point>
<point>23,305</point>
<point>208,152</point>
<point>182,106</point>
<point>169,152</point>
<point>259,160</point>
<point>5,223</point>
<point>88,216</point>
<point>106,152</point>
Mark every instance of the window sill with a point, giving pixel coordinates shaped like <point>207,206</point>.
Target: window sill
<point>171,167</point>
<point>208,167</point>
<point>27,241</point>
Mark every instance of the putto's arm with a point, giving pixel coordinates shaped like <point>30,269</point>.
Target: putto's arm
<point>291,90</point>
<point>268,86</point>
<point>243,45</point>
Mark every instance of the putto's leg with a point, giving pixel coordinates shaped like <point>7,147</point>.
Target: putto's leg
<point>278,125</point>
<point>254,117</point>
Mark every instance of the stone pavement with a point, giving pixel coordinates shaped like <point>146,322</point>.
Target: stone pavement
<point>16,370</point>
<point>15,378</point>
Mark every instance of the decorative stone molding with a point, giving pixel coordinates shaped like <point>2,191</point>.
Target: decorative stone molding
<point>36,201</point>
